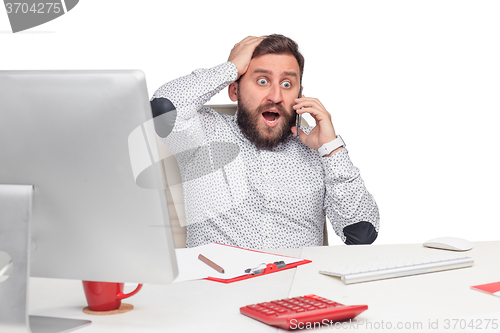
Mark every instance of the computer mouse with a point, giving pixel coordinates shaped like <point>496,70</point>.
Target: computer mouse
<point>449,243</point>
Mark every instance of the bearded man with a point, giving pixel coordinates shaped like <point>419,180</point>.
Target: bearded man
<point>275,186</point>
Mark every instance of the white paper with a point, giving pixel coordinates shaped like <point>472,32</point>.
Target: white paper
<point>233,260</point>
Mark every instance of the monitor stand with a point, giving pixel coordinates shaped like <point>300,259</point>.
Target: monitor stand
<point>15,215</point>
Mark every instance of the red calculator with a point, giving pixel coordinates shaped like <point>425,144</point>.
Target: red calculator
<point>301,312</point>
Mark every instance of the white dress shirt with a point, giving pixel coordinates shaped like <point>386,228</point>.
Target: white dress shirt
<point>256,198</point>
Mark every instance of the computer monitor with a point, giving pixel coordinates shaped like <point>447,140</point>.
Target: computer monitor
<point>66,133</point>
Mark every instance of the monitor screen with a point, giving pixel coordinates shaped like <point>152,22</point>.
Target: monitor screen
<point>67,134</point>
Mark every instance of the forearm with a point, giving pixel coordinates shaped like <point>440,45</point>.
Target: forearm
<point>189,93</point>
<point>176,104</point>
<point>351,209</point>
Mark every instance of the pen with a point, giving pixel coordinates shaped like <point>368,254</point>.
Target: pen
<point>211,263</point>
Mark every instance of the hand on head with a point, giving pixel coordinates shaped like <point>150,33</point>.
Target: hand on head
<point>241,54</point>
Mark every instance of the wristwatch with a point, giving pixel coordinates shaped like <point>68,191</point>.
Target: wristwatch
<point>328,147</point>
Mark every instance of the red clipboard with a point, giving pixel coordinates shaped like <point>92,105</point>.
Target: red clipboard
<point>270,268</point>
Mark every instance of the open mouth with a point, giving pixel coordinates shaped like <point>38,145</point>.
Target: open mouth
<point>271,118</point>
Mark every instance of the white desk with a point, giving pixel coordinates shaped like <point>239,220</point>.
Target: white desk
<point>416,301</point>
<point>443,298</point>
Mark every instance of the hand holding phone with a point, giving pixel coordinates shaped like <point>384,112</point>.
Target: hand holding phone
<point>323,132</point>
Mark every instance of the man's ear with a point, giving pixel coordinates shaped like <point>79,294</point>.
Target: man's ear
<point>232,91</point>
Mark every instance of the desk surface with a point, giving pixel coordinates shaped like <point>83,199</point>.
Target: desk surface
<point>432,302</point>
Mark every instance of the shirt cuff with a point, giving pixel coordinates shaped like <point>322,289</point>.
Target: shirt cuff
<point>338,167</point>
<point>233,70</point>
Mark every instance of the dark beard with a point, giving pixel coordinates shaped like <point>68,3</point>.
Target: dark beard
<point>248,123</point>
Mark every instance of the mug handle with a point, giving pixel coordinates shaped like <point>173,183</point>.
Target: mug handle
<point>121,295</point>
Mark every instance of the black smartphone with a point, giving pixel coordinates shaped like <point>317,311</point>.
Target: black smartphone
<point>298,119</point>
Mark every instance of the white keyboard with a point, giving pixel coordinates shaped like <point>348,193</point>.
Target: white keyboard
<point>397,268</point>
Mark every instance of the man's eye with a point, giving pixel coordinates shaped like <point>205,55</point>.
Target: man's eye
<point>262,81</point>
<point>286,84</point>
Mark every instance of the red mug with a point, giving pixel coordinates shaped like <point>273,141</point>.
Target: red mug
<point>106,296</point>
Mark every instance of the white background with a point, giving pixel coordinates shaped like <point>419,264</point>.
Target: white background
<point>412,86</point>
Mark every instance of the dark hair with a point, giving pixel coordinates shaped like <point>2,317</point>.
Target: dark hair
<point>279,44</point>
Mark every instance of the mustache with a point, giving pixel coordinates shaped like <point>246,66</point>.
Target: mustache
<point>279,107</point>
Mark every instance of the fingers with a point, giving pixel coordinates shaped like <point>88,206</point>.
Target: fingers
<point>312,106</point>
<point>323,131</point>
<point>241,54</point>
<point>308,102</point>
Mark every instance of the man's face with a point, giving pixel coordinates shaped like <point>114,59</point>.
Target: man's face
<point>265,95</point>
